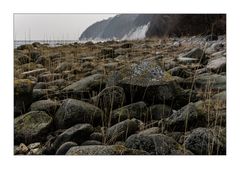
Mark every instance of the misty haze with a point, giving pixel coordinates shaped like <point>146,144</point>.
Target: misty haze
<point>119,84</point>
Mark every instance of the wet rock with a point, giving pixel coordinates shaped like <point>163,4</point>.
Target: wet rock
<point>122,130</point>
<point>104,150</point>
<point>48,106</point>
<point>156,144</point>
<point>78,134</point>
<point>65,147</point>
<point>159,111</point>
<point>207,141</point>
<point>136,110</point>
<point>74,111</point>
<point>32,127</point>
<point>23,93</point>
<point>217,65</point>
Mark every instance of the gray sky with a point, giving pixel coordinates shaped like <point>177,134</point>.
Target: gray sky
<point>53,26</point>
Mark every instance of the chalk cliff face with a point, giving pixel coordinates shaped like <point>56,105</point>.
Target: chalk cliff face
<point>139,26</point>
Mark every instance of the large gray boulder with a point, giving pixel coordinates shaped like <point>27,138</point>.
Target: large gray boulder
<point>156,144</point>
<point>74,111</point>
<point>207,141</point>
<point>145,81</point>
<point>104,150</point>
<point>78,134</point>
<point>32,127</point>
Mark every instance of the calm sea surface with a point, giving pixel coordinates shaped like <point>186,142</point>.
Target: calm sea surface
<point>50,42</point>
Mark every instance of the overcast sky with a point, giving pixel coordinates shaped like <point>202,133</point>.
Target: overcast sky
<point>53,26</point>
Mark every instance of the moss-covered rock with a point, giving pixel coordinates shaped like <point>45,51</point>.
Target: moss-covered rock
<point>23,89</point>
<point>74,111</point>
<point>104,150</point>
<point>32,127</point>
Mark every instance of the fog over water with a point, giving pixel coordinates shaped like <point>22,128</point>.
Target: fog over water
<point>53,26</point>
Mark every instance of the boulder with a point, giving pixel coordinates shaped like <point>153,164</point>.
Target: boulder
<point>23,59</point>
<point>214,82</point>
<point>207,141</point>
<point>21,149</point>
<point>87,85</point>
<point>32,127</point>
<point>78,134</point>
<point>193,56</point>
<point>215,110</point>
<point>217,65</point>
<point>109,99</point>
<point>136,110</point>
<point>40,94</point>
<point>62,67</point>
<point>149,131</point>
<point>74,111</point>
<point>159,111</point>
<point>96,136</point>
<point>49,77</point>
<point>65,147</point>
<point>186,118</point>
<point>122,130</point>
<point>23,93</point>
<point>156,144</point>
<point>146,82</point>
<point>180,72</point>
<point>107,52</point>
<point>104,150</point>
<point>91,142</point>
<point>48,106</point>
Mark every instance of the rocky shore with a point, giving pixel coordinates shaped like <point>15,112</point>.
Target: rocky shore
<point>145,97</point>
